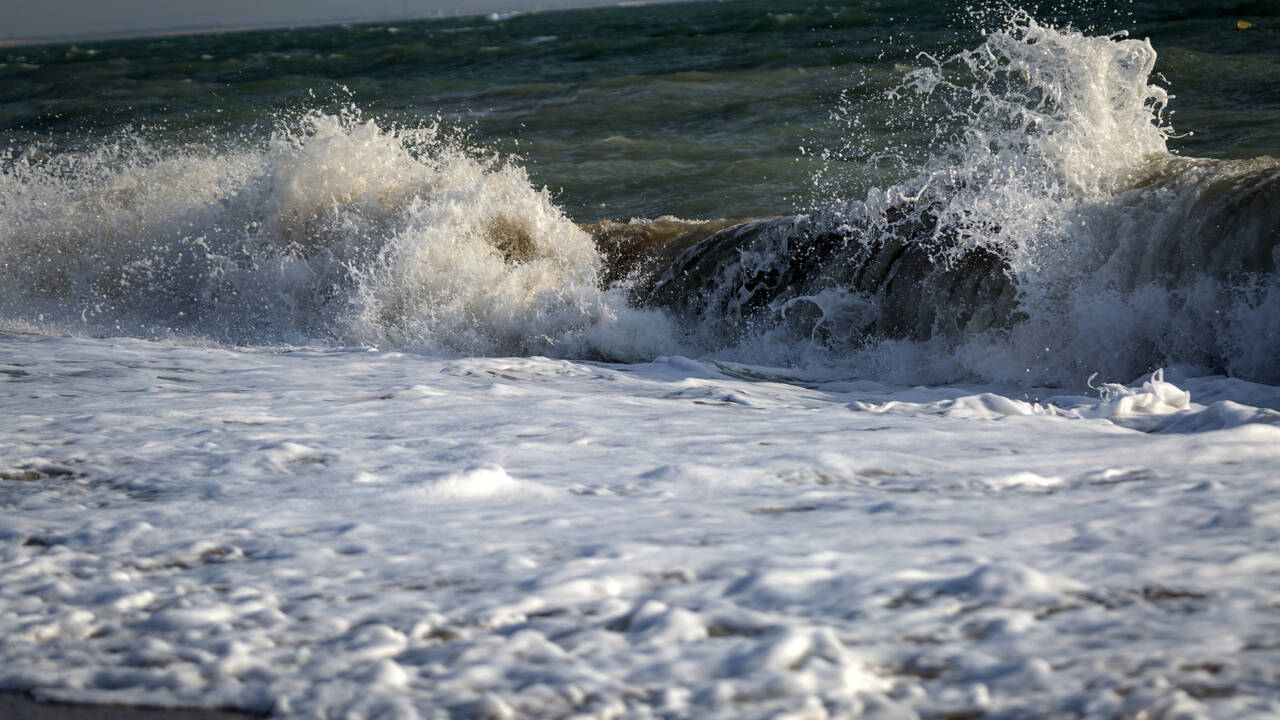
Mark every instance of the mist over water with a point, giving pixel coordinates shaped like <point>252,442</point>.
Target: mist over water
<point>1044,148</point>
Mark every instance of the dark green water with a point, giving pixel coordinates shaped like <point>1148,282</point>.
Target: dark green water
<point>692,109</point>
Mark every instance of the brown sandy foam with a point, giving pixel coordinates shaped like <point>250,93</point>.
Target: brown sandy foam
<point>19,706</point>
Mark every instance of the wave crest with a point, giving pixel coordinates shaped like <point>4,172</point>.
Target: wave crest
<point>334,230</point>
<point>1050,236</point>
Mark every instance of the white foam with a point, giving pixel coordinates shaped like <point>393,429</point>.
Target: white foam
<point>485,481</point>
<point>378,534</point>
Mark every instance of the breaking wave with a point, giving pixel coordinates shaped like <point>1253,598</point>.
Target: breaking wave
<point>1049,235</point>
<point>336,230</point>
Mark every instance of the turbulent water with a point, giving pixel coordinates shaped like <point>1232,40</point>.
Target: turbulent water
<point>349,367</point>
<point>400,218</point>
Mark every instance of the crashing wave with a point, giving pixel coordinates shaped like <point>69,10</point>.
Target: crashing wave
<point>1053,236</point>
<point>336,230</point>
<point>1050,236</point>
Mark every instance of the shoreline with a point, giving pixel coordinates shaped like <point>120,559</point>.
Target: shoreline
<point>22,706</point>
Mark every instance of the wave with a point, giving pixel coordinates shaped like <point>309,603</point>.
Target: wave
<point>1050,235</point>
<point>336,230</point>
<point>1179,269</point>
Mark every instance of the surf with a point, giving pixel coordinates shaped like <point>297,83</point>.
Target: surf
<point>1052,235</point>
<point>336,230</point>
<point>1047,234</point>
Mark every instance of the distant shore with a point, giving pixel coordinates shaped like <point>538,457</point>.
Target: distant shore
<point>209,30</point>
<point>182,32</point>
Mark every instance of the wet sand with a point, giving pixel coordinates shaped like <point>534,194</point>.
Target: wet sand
<point>19,706</point>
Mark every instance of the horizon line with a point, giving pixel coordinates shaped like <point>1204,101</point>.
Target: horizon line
<point>189,30</point>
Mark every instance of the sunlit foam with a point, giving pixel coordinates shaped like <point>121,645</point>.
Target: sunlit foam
<point>336,230</point>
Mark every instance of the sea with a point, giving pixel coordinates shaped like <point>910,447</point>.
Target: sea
<point>741,359</point>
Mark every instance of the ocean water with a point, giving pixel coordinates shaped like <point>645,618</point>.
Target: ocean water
<point>728,359</point>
